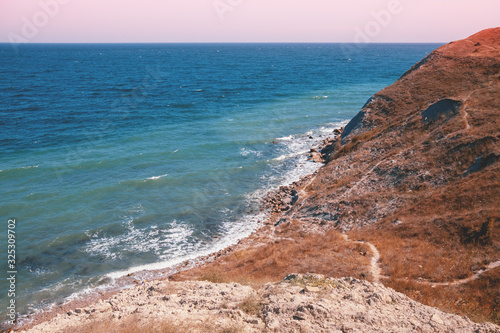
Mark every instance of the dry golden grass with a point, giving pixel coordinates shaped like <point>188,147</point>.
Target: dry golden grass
<point>478,299</point>
<point>326,253</point>
<point>214,277</point>
<point>358,139</point>
<point>251,305</point>
<point>449,232</point>
<point>441,250</point>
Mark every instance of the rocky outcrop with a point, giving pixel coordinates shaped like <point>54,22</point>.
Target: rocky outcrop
<point>300,303</point>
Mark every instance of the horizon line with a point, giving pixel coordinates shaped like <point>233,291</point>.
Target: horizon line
<point>219,42</point>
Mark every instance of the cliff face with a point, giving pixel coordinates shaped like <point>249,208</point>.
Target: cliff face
<point>426,146</point>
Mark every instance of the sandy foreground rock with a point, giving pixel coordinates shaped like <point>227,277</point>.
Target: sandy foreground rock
<point>300,303</point>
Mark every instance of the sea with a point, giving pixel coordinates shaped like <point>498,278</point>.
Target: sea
<point>132,158</point>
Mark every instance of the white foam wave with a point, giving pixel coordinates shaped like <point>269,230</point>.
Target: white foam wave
<point>305,168</point>
<point>137,209</point>
<point>150,239</point>
<point>296,149</point>
<point>246,152</point>
<point>57,288</point>
<point>285,138</point>
<point>329,128</point>
<point>65,284</point>
<point>89,291</point>
<point>157,177</point>
<point>29,167</point>
<point>233,232</point>
<point>38,271</point>
<point>20,168</point>
<point>288,156</point>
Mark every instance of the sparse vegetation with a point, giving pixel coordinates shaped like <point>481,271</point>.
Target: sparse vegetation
<point>251,305</point>
<point>357,140</point>
<point>312,280</point>
<point>215,277</point>
<point>327,254</point>
<point>436,250</point>
<point>479,300</point>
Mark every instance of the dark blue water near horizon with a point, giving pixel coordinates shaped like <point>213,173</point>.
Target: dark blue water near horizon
<point>115,158</point>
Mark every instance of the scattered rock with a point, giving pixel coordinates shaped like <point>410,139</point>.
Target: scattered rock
<point>435,318</point>
<point>311,289</point>
<point>445,108</point>
<point>282,200</point>
<point>294,276</point>
<point>316,157</point>
<point>300,316</point>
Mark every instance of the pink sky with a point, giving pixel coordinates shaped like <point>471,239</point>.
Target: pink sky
<point>244,20</point>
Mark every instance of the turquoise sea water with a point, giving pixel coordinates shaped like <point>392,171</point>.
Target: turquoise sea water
<point>118,158</point>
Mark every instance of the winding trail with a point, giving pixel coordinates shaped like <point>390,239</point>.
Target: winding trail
<point>492,265</point>
<point>376,271</point>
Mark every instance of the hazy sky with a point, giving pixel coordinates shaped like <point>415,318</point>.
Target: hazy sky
<point>244,20</point>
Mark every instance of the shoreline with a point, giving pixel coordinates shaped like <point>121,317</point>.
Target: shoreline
<point>416,144</point>
<point>273,204</point>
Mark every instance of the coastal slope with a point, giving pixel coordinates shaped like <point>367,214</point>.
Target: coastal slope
<point>408,198</point>
<point>413,181</point>
<point>417,175</point>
